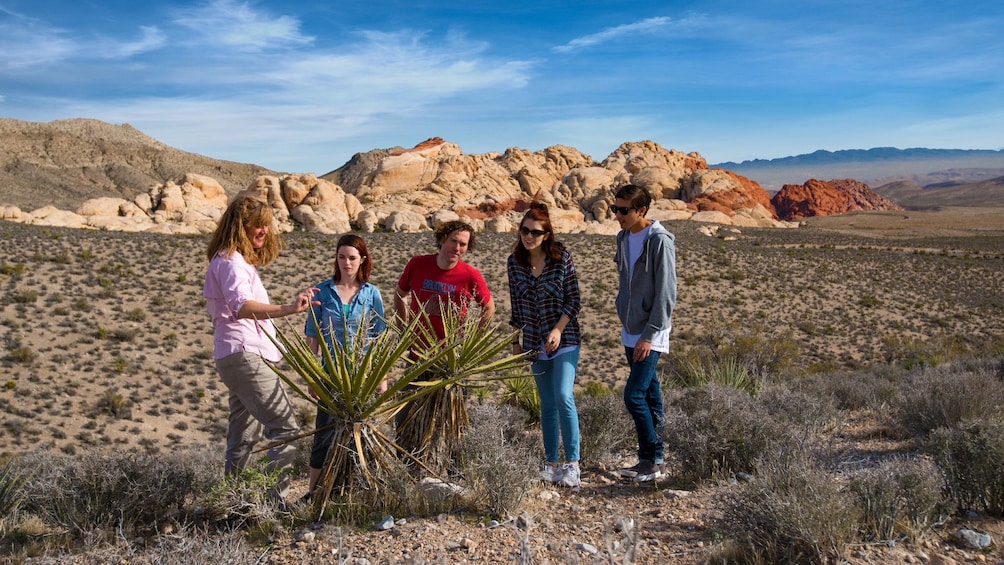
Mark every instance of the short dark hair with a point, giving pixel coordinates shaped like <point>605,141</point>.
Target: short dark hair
<point>444,231</point>
<point>638,196</point>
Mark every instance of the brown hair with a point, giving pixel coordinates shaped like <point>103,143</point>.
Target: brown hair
<point>446,229</point>
<point>365,267</point>
<point>552,248</point>
<point>639,196</point>
<point>246,210</point>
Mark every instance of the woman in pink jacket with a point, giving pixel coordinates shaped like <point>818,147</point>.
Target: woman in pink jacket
<point>242,322</point>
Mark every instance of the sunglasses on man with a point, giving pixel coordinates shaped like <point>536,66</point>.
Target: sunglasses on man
<point>622,210</point>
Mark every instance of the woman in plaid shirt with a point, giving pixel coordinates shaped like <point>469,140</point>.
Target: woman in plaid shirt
<point>544,292</point>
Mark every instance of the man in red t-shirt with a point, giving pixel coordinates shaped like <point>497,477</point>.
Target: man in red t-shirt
<point>438,280</point>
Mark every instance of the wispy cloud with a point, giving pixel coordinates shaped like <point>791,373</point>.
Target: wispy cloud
<point>646,26</point>
<point>151,39</point>
<point>26,43</point>
<point>237,25</point>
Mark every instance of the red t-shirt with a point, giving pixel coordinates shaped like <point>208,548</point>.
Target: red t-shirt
<point>431,286</point>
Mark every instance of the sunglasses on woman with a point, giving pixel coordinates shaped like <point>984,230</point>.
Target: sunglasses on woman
<point>527,231</point>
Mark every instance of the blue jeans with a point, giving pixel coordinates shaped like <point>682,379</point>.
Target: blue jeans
<point>554,379</point>
<point>643,400</point>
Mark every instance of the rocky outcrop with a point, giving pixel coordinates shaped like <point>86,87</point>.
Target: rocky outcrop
<point>415,189</point>
<point>826,198</point>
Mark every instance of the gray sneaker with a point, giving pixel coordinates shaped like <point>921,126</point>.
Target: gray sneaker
<point>632,471</point>
<point>570,476</point>
<point>648,472</point>
<point>551,473</point>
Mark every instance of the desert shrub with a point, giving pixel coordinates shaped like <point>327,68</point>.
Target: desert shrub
<point>945,396</point>
<point>604,426</point>
<point>912,353</point>
<point>186,546</point>
<point>123,490</point>
<point>718,431</point>
<point>873,388</point>
<point>498,458</point>
<point>739,356</point>
<point>805,414</point>
<point>902,496</point>
<point>11,494</point>
<point>23,354</point>
<point>970,454</point>
<point>790,512</point>
<point>244,501</point>
<point>520,391</point>
<point>113,403</point>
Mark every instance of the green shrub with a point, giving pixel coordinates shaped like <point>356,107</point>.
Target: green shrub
<point>900,496</point>
<point>792,511</point>
<point>913,353</point>
<point>744,357</point>
<point>520,391</point>
<point>945,396</point>
<point>23,354</point>
<point>971,454</point>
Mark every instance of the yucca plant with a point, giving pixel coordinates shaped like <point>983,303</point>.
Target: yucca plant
<point>470,353</point>
<point>346,382</point>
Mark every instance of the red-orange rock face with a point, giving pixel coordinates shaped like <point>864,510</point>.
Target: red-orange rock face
<point>743,193</point>
<point>826,198</point>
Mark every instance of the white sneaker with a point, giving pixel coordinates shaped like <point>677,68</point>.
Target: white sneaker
<point>570,475</point>
<point>551,473</point>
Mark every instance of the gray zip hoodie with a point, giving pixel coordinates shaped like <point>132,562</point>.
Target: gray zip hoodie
<point>645,304</point>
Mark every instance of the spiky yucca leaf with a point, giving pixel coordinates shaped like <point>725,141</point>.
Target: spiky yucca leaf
<point>346,380</point>
<point>470,352</point>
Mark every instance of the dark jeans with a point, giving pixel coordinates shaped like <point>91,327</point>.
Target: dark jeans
<point>643,400</point>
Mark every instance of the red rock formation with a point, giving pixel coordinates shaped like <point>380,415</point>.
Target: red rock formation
<point>743,193</point>
<point>822,198</point>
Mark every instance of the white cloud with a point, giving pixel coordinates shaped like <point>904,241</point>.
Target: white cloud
<point>645,26</point>
<point>237,25</point>
<point>151,39</point>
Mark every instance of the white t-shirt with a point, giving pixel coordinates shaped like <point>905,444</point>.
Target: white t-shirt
<point>660,341</point>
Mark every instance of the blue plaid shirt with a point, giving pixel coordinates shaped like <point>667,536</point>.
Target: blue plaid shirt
<point>538,302</point>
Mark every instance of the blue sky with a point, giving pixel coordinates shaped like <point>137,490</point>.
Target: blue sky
<point>300,86</point>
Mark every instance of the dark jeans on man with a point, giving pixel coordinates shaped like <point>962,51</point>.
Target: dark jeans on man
<point>643,400</point>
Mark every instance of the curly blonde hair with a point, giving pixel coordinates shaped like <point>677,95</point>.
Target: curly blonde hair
<point>246,210</point>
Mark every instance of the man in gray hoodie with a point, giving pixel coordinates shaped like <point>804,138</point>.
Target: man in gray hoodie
<point>646,296</point>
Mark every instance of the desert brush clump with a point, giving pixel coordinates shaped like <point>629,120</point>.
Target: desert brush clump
<point>970,454</point>
<point>901,497</point>
<point>873,388</point>
<point>497,458</point>
<point>947,395</point>
<point>719,431</point>
<point>743,357</point>
<point>605,428</point>
<point>791,511</point>
<point>129,491</point>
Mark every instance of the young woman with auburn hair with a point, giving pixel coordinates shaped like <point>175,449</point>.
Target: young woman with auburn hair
<point>544,292</point>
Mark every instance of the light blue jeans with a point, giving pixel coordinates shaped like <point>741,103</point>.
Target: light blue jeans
<point>643,400</point>
<point>554,379</point>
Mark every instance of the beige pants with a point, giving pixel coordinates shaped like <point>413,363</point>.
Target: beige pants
<point>258,403</point>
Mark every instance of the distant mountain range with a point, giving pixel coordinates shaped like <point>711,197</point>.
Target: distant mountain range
<point>875,167</point>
